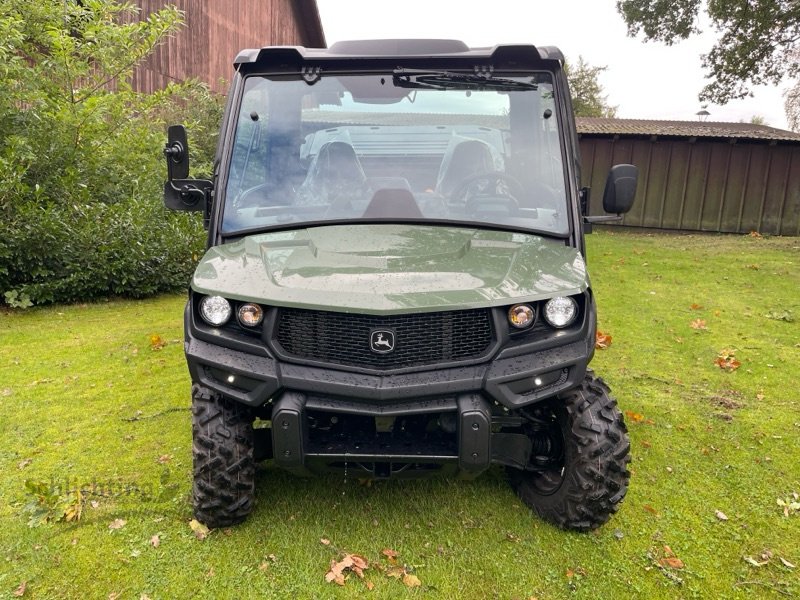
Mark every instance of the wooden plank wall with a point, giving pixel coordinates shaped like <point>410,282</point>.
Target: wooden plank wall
<point>702,185</point>
<point>214,33</point>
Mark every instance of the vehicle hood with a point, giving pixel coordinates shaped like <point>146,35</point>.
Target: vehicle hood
<point>383,269</point>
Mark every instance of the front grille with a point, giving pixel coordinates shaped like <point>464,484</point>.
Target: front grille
<point>419,339</point>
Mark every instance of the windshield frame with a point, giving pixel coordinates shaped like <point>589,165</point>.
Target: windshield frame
<point>563,126</point>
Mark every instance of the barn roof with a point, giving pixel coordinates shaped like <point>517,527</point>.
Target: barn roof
<point>684,129</point>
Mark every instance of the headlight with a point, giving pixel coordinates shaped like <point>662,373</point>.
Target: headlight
<point>215,310</point>
<point>560,311</point>
<point>250,314</point>
<point>521,316</point>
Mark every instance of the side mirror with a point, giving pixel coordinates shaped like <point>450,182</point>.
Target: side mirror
<point>177,153</point>
<point>620,189</point>
<point>180,192</point>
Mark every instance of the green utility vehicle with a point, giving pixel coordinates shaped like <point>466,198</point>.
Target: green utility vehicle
<point>395,282</point>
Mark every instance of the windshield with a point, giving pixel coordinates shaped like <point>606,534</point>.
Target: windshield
<point>397,147</point>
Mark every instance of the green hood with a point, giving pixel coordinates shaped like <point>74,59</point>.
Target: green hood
<point>391,268</point>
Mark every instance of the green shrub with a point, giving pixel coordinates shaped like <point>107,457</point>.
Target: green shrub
<point>134,248</point>
<point>81,169</point>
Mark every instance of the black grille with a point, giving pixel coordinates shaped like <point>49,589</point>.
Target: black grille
<point>420,339</point>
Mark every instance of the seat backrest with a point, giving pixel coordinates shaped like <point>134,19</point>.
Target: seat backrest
<point>334,171</point>
<point>460,162</point>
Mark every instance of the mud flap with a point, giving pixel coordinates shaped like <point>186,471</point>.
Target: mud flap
<point>288,432</point>
<point>474,434</point>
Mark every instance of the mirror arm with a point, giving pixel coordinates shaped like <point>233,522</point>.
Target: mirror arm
<point>602,218</point>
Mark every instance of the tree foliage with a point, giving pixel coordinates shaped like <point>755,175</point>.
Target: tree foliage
<point>759,40</point>
<point>588,99</point>
<point>79,153</point>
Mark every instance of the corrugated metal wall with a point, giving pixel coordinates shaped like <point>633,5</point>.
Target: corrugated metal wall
<point>214,33</point>
<point>702,185</point>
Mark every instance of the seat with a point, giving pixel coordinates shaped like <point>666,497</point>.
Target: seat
<point>334,176</point>
<point>462,161</point>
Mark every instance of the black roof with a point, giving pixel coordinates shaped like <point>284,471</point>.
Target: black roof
<point>507,55</point>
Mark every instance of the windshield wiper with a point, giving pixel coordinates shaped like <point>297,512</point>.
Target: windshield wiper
<point>446,80</point>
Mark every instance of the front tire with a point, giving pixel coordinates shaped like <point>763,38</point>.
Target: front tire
<point>584,476</point>
<point>223,465</point>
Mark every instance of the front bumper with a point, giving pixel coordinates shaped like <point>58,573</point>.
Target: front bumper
<point>477,400</point>
<point>513,377</point>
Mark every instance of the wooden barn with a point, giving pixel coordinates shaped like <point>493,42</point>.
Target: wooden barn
<point>698,176</point>
<point>216,30</point>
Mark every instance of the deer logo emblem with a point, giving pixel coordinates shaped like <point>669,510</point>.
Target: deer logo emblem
<point>381,341</point>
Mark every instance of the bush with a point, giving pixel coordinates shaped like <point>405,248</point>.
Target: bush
<point>81,170</point>
<point>135,248</point>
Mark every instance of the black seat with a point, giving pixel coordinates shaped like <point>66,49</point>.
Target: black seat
<point>461,162</point>
<point>335,174</point>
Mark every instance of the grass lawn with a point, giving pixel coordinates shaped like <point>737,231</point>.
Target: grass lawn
<point>88,400</point>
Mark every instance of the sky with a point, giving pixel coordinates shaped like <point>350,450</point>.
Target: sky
<point>644,80</point>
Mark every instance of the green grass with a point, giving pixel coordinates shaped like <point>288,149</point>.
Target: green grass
<point>84,400</point>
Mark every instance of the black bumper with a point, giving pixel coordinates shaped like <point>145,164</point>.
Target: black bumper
<point>247,372</point>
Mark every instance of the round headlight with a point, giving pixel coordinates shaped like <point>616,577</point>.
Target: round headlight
<point>215,310</point>
<point>250,314</point>
<point>560,311</point>
<point>521,316</point>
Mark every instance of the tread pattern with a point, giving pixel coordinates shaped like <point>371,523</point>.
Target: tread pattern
<point>597,455</point>
<point>223,463</point>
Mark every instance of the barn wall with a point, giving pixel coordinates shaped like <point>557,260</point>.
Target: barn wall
<point>702,185</point>
<point>214,32</point>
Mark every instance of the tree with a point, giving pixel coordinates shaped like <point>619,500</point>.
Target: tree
<point>759,40</point>
<point>81,174</point>
<point>588,99</point>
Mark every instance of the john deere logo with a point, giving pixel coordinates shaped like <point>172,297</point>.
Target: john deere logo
<point>381,341</point>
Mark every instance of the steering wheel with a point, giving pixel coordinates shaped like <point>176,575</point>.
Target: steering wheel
<point>490,188</point>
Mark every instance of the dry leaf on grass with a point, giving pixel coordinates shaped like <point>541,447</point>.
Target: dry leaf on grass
<point>602,340</point>
<point>727,360</point>
<point>698,324</point>
<point>200,531</point>
<point>350,562</point>
<point>117,524</point>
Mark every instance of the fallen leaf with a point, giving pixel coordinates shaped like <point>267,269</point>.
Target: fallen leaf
<point>698,324</point>
<point>727,360</point>
<point>570,573</point>
<point>370,586</point>
<point>696,307</point>
<point>24,463</point>
<point>117,524</point>
<point>325,541</point>
<point>650,509</point>
<point>157,342</point>
<point>20,591</point>
<point>634,416</point>
<point>411,581</point>
<point>165,458</point>
<point>114,595</point>
<point>390,554</point>
<point>721,515</point>
<point>602,340</point>
<point>752,561</point>
<point>673,562</point>
<point>786,563</point>
<point>200,531</point>
<point>155,541</point>
<point>755,234</point>
<point>350,562</point>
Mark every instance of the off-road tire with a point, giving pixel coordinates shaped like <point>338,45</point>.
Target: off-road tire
<point>596,453</point>
<point>223,464</point>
